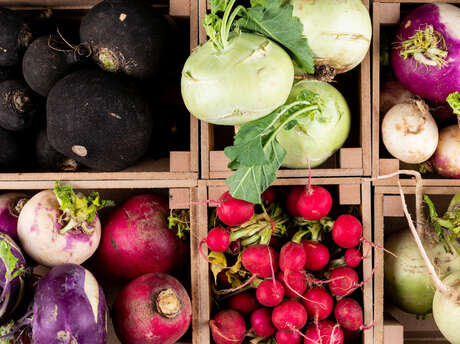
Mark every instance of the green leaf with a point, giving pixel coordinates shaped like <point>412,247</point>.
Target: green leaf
<point>217,5</point>
<point>275,21</point>
<point>250,152</point>
<point>454,101</point>
<point>10,261</point>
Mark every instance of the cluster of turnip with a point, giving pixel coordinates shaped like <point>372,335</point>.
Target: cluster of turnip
<point>294,274</point>
<point>421,91</point>
<point>137,246</point>
<point>90,104</point>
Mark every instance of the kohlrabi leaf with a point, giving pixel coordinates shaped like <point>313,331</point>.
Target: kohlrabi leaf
<point>10,261</point>
<point>217,5</point>
<point>454,101</point>
<point>275,20</point>
<point>5,331</point>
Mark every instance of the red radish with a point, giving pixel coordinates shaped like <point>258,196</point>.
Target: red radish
<point>244,303</point>
<point>318,302</point>
<point>317,255</point>
<point>269,196</point>
<point>350,335</point>
<point>136,239</point>
<point>275,243</point>
<point>347,231</point>
<point>218,239</point>
<point>261,323</point>
<point>292,257</point>
<point>152,309</point>
<point>343,281</point>
<point>292,281</point>
<point>270,293</point>
<point>314,203</point>
<point>289,315</point>
<point>228,327</point>
<point>222,280</point>
<point>353,257</point>
<point>234,212</point>
<point>349,314</point>
<point>261,260</point>
<point>288,337</point>
<point>292,198</point>
<point>326,332</point>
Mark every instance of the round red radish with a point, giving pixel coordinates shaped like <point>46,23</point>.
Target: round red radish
<point>269,196</point>
<point>314,203</point>
<point>292,198</point>
<point>350,335</point>
<point>261,323</point>
<point>353,257</point>
<point>270,293</point>
<point>349,314</point>
<point>319,303</point>
<point>228,327</point>
<point>347,231</point>
<point>344,281</point>
<point>289,315</point>
<point>288,337</point>
<point>261,260</point>
<point>234,212</point>
<point>292,257</point>
<point>244,303</point>
<point>218,239</point>
<point>327,332</point>
<point>152,309</point>
<point>317,255</point>
<point>296,281</point>
<point>222,280</point>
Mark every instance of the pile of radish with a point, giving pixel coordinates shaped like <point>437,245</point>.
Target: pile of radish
<point>285,272</point>
<point>420,99</point>
<point>46,296</point>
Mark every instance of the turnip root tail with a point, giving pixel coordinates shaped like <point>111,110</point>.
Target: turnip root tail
<point>446,290</point>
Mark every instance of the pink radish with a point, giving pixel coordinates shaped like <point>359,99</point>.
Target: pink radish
<point>261,260</point>
<point>347,231</point>
<point>350,335</point>
<point>218,240</point>
<point>343,281</point>
<point>288,337</point>
<point>270,293</point>
<point>314,203</point>
<point>289,315</point>
<point>353,257</point>
<point>349,314</point>
<point>245,303</point>
<point>228,327</point>
<point>292,198</point>
<point>292,257</point>
<point>234,212</point>
<point>318,302</point>
<point>325,332</point>
<point>294,283</point>
<point>269,196</point>
<point>317,255</point>
<point>261,323</point>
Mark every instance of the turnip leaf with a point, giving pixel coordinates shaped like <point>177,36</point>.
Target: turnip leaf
<point>10,261</point>
<point>454,101</point>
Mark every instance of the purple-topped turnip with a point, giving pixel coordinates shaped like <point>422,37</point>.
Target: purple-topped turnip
<point>59,226</point>
<point>427,56</point>
<point>446,159</point>
<point>11,205</point>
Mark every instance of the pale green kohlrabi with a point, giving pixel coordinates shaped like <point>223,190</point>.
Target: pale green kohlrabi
<point>315,138</point>
<point>247,80</point>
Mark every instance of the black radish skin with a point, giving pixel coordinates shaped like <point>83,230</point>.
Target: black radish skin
<point>10,151</point>
<point>99,119</point>
<point>43,65</point>
<point>50,159</point>
<point>125,36</point>
<point>15,36</point>
<point>17,108</point>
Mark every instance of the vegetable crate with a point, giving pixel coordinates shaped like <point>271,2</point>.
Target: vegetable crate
<point>345,192</point>
<point>393,325</point>
<point>181,194</point>
<point>386,15</point>
<point>180,161</point>
<point>353,159</point>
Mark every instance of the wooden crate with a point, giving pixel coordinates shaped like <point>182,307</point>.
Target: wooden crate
<point>384,14</point>
<point>351,191</point>
<point>388,218</point>
<point>354,159</point>
<point>180,164</point>
<point>181,193</point>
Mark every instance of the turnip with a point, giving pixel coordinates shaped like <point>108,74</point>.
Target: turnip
<point>17,108</point>
<point>318,302</point>
<point>343,281</point>
<point>98,119</point>
<point>294,283</point>
<point>270,293</point>
<point>349,314</point>
<point>58,226</point>
<point>261,323</point>
<point>152,309</point>
<point>427,53</point>
<point>445,160</point>
<point>353,257</point>
<point>135,43</point>
<point>289,315</point>
<point>409,132</point>
<point>347,231</point>
<point>15,36</point>
<point>391,94</point>
<point>342,42</point>
<point>11,205</point>
<point>325,332</point>
<point>244,303</point>
<point>11,149</point>
<point>136,239</point>
<point>288,337</point>
<point>233,212</point>
<point>50,159</point>
<point>228,327</point>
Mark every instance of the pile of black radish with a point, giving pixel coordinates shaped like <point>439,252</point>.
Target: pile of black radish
<point>285,272</point>
<point>48,296</point>
<point>420,99</point>
<point>86,96</point>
